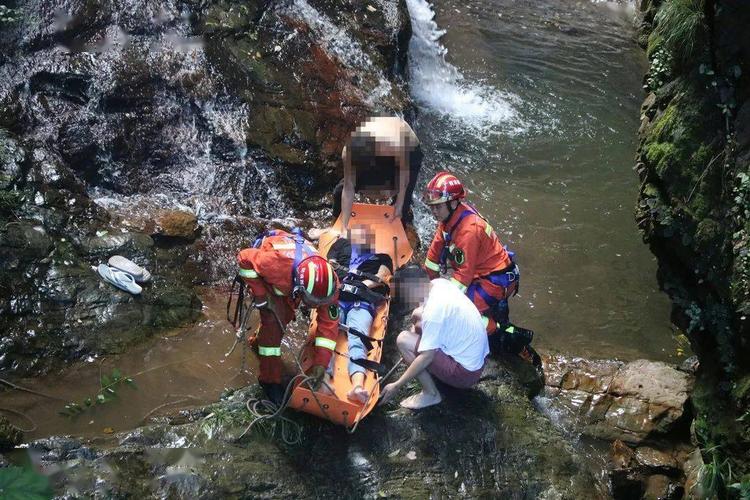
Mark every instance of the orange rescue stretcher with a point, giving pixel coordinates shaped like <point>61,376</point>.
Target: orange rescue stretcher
<point>390,239</point>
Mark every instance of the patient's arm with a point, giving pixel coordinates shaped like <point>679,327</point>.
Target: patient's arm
<point>383,273</point>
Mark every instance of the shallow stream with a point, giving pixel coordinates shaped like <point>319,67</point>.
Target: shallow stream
<point>535,106</point>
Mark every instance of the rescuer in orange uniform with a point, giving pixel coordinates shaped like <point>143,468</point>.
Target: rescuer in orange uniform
<point>284,271</point>
<point>466,247</point>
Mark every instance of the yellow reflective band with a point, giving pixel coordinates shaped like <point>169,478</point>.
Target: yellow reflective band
<point>485,320</point>
<point>458,284</point>
<point>269,351</point>
<point>277,291</point>
<point>488,229</point>
<point>248,273</point>
<point>283,246</point>
<point>510,329</point>
<point>431,265</point>
<point>330,282</point>
<point>324,342</point>
<point>311,277</point>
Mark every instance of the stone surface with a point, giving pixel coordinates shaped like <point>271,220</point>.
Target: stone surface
<point>177,224</point>
<point>498,446</point>
<point>10,436</point>
<point>128,126</point>
<point>614,400</point>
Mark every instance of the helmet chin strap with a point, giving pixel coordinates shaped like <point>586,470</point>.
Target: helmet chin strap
<point>450,210</point>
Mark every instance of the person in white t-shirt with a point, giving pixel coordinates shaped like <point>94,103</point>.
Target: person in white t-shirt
<point>447,340</point>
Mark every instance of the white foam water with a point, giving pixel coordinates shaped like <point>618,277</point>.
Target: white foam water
<point>440,87</point>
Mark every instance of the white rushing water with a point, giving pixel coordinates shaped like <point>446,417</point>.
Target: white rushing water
<point>440,87</point>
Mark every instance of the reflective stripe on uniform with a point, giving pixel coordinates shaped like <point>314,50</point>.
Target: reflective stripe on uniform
<point>277,291</point>
<point>248,273</point>
<point>283,246</point>
<point>458,284</point>
<point>324,342</point>
<point>510,329</point>
<point>431,265</point>
<point>330,282</point>
<point>488,229</point>
<point>269,351</point>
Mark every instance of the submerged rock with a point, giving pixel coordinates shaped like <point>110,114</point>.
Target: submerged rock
<point>10,435</point>
<point>614,400</point>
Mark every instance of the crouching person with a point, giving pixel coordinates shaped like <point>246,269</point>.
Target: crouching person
<point>448,340</point>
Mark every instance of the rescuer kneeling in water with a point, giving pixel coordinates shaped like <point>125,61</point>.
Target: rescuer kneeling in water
<point>447,340</point>
<point>285,272</point>
<point>466,248</point>
<point>363,274</point>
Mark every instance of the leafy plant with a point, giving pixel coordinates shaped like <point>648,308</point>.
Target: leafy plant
<point>659,71</point>
<point>222,419</point>
<point>742,489</point>
<point>109,386</point>
<point>681,28</point>
<point>18,483</point>
<point>715,475</point>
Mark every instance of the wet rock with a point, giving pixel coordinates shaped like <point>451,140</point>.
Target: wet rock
<point>655,459</point>
<point>613,400</point>
<point>108,244</point>
<point>176,224</point>
<point>622,455</point>
<point>690,365</point>
<point>10,435</point>
<point>660,487</point>
<point>499,446</point>
<point>692,469</point>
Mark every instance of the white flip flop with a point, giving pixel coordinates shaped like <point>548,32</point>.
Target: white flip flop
<point>120,279</point>
<point>130,267</point>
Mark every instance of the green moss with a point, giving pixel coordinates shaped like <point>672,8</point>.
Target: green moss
<point>9,200</point>
<point>742,388</point>
<point>664,125</point>
<point>662,156</point>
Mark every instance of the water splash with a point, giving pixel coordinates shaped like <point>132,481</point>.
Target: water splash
<point>338,42</point>
<point>441,87</point>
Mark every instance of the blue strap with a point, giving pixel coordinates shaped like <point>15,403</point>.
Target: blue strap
<point>476,288</point>
<point>348,305</point>
<point>301,251</point>
<point>359,259</point>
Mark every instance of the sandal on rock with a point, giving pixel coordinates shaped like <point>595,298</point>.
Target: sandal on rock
<point>121,263</point>
<point>120,279</point>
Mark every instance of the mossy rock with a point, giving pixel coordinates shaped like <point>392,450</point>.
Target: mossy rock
<point>10,435</point>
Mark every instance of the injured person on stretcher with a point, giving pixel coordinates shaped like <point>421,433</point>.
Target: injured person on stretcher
<point>364,277</point>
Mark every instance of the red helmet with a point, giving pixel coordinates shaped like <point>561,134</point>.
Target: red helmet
<point>316,281</point>
<point>442,188</point>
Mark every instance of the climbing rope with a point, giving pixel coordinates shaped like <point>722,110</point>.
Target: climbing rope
<point>358,419</point>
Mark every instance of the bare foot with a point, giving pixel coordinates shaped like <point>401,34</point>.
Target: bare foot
<point>358,393</point>
<point>421,400</point>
